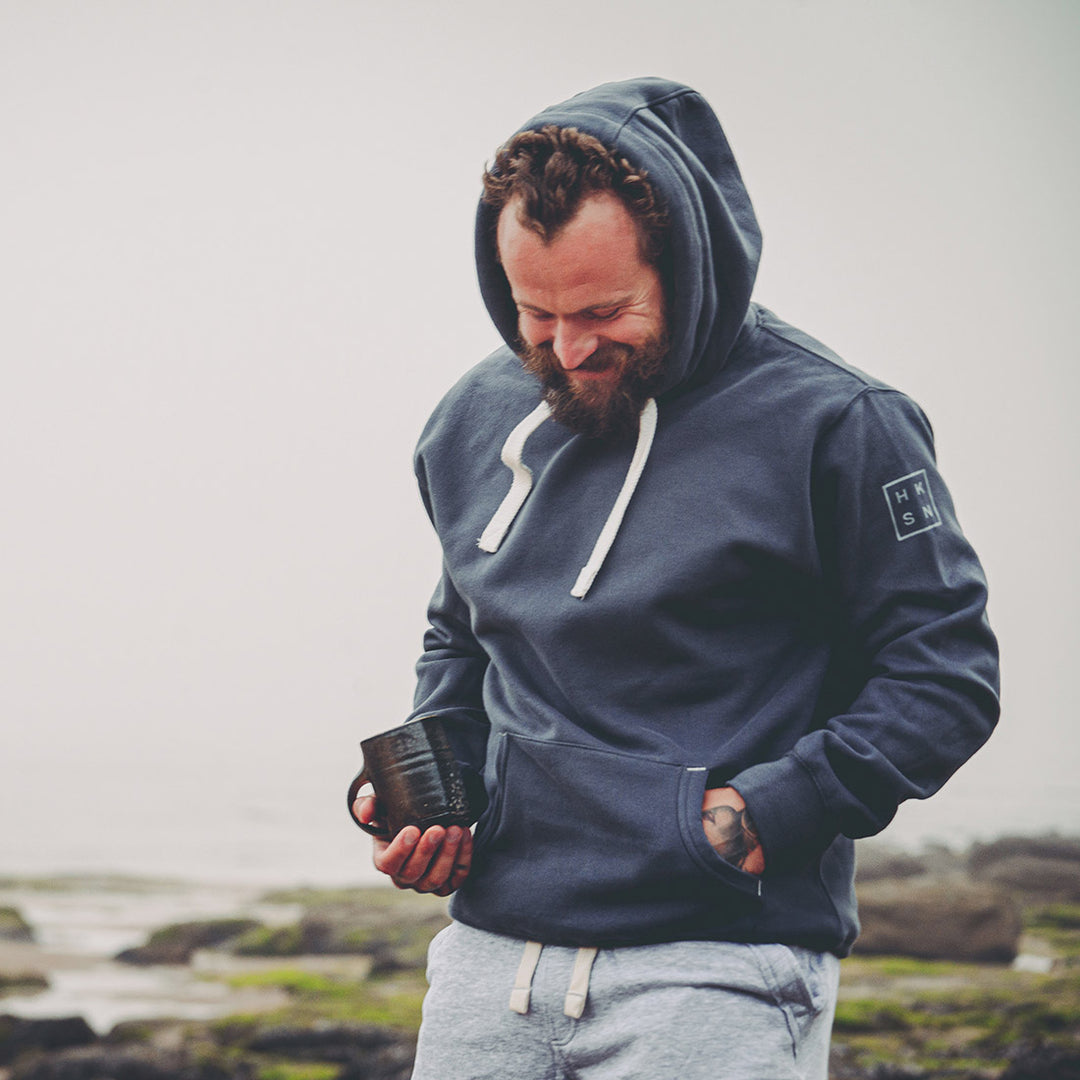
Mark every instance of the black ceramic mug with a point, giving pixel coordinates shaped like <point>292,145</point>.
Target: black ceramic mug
<point>416,779</point>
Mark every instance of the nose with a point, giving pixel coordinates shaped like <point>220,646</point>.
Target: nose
<point>573,345</point>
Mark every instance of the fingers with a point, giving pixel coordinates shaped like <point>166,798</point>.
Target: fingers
<point>726,796</point>
<point>460,869</point>
<point>755,861</point>
<point>437,861</point>
<point>392,856</point>
<point>364,809</point>
<point>731,831</point>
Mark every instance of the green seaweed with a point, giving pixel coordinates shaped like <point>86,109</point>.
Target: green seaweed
<point>270,941</point>
<point>28,982</point>
<point>288,1070</point>
<point>13,926</point>
<point>390,1001</point>
<point>862,1016</point>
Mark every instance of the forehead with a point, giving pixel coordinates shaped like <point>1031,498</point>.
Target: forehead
<point>598,249</point>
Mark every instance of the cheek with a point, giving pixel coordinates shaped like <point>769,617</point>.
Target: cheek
<point>533,331</point>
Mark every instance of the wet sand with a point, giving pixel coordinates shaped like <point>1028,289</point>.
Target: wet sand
<point>28,958</point>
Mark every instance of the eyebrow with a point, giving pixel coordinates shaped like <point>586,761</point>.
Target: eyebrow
<point>615,302</point>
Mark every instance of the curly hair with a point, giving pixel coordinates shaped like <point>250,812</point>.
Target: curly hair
<point>552,170</point>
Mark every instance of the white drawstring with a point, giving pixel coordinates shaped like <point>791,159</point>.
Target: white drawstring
<point>519,996</point>
<point>646,432</point>
<point>578,993</point>
<point>521,485</point>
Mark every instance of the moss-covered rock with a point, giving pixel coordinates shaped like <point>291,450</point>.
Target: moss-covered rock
<point>392,928</point>
<point>22,982</point>
<point>130,1063</point>
<point>176,943</point>
<point>1040,1062</point>
<point>13,927</point>
<point>360,1051</point>
<point>272,941</point>
<point>20,1036</point>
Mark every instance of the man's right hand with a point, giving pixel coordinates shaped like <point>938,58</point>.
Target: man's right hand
<point>436,862</point>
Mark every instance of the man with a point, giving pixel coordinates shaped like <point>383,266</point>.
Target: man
<point>720,620</point>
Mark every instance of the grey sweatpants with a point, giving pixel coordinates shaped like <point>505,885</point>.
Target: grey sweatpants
<point>687,1010</point>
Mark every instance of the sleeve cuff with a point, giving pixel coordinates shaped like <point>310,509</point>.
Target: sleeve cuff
<point>787,810</point>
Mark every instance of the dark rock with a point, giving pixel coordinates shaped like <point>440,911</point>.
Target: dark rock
<point>272,941</point>
<point>18,1035</point>
<point>1044,1063</point>
<point>1038,868</point>
<point>175,944</point>
<point>126,1064</point>
<point>13,927</point>
<point>324,1042</point>
<point>309,937</point>
<point>152,1031</point>
<point>390,1063</point>
<point>936,918</point>
<point>899,1072</point>
<point>387,960</point>
<point>1033,878</point>
<point>395,936</point>
<point>22,982</point>
<point>365,1051</point>
<point>1049,846</point>
<point>843,1065</point>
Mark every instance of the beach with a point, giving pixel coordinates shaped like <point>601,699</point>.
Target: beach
<point>968,969</point>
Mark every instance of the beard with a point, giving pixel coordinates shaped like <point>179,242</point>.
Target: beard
<point>606,409</point>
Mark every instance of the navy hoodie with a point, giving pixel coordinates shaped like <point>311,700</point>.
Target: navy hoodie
<point>782,600</point>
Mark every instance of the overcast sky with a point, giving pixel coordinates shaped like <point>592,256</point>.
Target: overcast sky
<point>236,274</point>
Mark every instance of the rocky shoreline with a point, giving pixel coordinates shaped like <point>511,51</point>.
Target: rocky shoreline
<point>968,968</point>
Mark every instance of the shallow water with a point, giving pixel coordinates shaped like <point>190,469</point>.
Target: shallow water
<point>79,929</point>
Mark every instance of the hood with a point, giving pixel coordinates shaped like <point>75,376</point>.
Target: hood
<point>669,131</point>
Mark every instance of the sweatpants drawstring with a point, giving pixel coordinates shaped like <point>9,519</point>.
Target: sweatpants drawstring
<point>519,996</point>
<point>577,993</point>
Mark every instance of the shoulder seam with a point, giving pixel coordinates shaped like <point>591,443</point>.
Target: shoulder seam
<point>858,376</point>
<point>866,390</point>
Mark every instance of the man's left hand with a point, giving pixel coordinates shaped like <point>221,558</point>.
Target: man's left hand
<point>730,831</point>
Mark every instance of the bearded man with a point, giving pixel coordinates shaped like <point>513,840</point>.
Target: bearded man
<point>720,621</point>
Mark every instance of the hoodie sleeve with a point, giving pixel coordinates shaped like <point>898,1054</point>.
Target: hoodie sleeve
<point>920,658</point>
<point>450,679</point>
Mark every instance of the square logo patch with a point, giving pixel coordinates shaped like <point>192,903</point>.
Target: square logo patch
<point>911,504</point>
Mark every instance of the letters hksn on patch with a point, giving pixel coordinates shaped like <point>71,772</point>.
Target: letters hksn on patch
<point>911,504</point>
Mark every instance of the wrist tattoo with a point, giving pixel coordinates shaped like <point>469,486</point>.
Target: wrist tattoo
<point>731,833</point>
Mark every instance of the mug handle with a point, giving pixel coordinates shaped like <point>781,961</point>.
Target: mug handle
<point>358,781</point>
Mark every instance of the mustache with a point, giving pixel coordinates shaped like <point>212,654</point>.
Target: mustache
<point>603,357</point>
<point>542,361</point>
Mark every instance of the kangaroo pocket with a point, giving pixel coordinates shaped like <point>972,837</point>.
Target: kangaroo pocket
<point>586,845</point>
